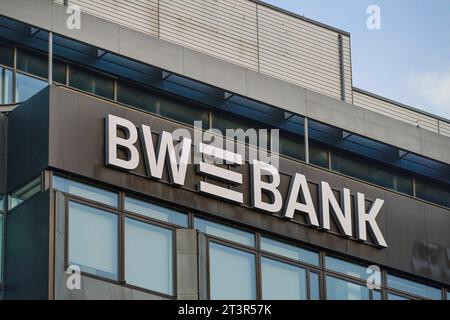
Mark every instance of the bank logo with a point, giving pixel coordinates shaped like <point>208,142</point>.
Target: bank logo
<point>173,152</point>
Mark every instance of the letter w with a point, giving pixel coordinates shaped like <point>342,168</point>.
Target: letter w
<point>155,166</point>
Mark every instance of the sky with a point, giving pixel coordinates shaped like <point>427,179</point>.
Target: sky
<point>406,60</point>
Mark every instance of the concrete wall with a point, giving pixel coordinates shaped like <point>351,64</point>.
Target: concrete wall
<point>231,77</point>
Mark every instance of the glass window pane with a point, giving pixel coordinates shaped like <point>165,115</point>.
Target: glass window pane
<point>338,289</point>
<point>348,268</point>
<point>318,155</point>
<point>32,62</point>
<point>59,72</point>
<point>147,100</point>
<point>392,296</point>
<point>6,55</point>
<point>27,86</point>
<point>93,240</point>
<point>433,192</point>
<point>376,295</point>
<point>281,281</point>
<point>225,232</point>
<point>314,286</point>
<point>24,193</point>
<point>370,171</point>
<point>148,256</point>
<point>86,191</point>
<point>290,251</point>
<point>6,86</point>
<point>293,147</point>
<point>448,294</point>
<point>156,212</point>
<point>414,288</point>
<point>2,203</point>
<point>91,82</point>
<point>232,273</point>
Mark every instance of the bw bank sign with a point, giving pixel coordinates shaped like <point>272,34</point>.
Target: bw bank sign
<point>173,153</point>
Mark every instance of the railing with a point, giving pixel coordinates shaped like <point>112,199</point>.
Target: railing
<point>401,112</point>
<point>245,32</point>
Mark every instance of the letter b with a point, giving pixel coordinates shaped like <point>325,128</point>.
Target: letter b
<point>113,143</point>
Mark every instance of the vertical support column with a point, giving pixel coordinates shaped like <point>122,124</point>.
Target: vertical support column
<point>50,57</point>
<point>306,135</point>
<point>341,65</point>
<point>187,264</point>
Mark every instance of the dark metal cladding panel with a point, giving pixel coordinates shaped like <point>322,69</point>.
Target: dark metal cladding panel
<point>410,227</point>
<point>27,245</point>
<point>3,139</point>
<point>28,140</point>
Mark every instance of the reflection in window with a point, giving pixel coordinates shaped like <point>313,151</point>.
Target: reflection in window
<point>293,147</point>
<point>24,193</point>
<point>314,286</point>
<point>225,232</point>
<point>371,172</point>
<point>33,63</point>
<point>232,273</point>
<point>27,86</point>
<point>144,99</point>
<point>414,288</point>
<point>6,56</point>
<point>392,296</point>
<point>281,281</point>
<point>376,295</point>
<point>85,191</point>
<point>318,155</point>
<point>348,268</point>
<point>93,240</point>
<point>433,192</point>
<point>338,289</point>
<point>289,251</point>
<point>156,212</point>
<point>2,203</point>
<point>91,82</point>
<point>6,86</point>
<point>148,256</point>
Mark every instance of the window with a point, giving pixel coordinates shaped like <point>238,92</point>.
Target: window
<point>86,191</point>
<point>2,203</point>
<point>414,288</point>
<point>156,212</point>
<point>289,251</point>
<point>91,82</point>
<point>282,281</point>
<point>433,192</point>
<point>225,232</point>
<point>149,256</point>
<point>344,267</point>
<point>338,289</point>
<point>314,285</point>
<point>293,147</point>
<point>6,56</point>
<point>371,172</point>
<point>24,193</point>
<point>147,100</point>
<point>392,296</point>
<point>27,86</point>
<point>6,86</point>
<point>376,295</point>
<point>33,63</point>
<point>232,273</point>
<point>93,240</point>
<point>318,155</point>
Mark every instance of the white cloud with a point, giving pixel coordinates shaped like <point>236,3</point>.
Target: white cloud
<point>434,89</point>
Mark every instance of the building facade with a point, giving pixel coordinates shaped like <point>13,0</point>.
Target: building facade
<point>360,195</point>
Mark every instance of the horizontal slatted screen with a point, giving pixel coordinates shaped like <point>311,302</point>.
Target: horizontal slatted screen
<point>299,52</point>
<point>221,28</point>
<point>400,113</point>
<point>140,15</point>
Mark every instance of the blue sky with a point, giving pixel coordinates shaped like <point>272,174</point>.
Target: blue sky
<point>407,60</point>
